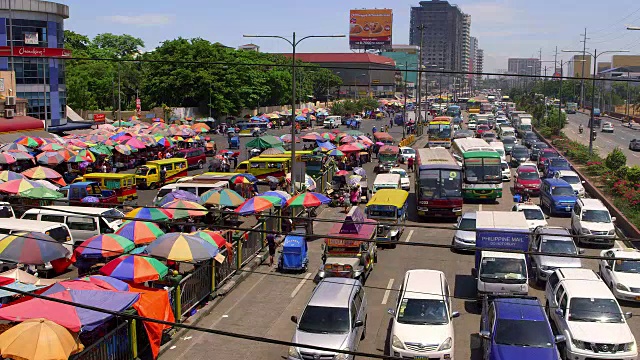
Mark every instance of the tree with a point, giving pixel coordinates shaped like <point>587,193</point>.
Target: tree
<point>122,45</point>
<point>75,41</point>
<point>616,159</point>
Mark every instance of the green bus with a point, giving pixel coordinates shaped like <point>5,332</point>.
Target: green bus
<point>481,168</point>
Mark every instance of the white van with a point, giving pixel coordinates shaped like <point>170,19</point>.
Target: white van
<point>506,131</point>
<point>387,181</point>
<point>498,146</point>
<point>193,187</point>
<point>58,231</point>
<point>83,222</point>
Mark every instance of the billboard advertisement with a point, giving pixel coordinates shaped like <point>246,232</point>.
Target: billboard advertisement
<point>370,28</point>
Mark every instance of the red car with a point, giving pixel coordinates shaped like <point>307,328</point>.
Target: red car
<point>527,179</point>
<point>544,155</point>
<point>196,157</point>
<point>481,129</point>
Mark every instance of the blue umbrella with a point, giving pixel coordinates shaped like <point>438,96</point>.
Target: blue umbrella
<point>277,194</point>
<point>301,118</point>
<point>178,194</point>
<point>326,145</point>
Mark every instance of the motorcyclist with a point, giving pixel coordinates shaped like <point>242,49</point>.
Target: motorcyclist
<point>580,129</point>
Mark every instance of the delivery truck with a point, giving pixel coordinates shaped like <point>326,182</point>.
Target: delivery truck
<point>498,272</point>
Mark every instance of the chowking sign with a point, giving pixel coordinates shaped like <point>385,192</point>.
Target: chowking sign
<point>370,27</point>
<point>28,51</point>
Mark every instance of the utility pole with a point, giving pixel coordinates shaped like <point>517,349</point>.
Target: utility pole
<point>584,60</point>
<point>628,95</point>
<point>119,97</point>
<point>419,117</point>
<point>560,97</point>
<point>555,61</point>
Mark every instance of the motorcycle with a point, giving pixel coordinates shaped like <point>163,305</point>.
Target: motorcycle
<point>580,130</point>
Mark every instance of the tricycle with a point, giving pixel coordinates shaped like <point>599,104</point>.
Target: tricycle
<point>294,253</point>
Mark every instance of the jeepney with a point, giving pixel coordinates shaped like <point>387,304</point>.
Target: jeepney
<point>124,185</point>
<point>388,157</point>
<point>349,250</point>
<point>148,176</point>
<point>388,206</point>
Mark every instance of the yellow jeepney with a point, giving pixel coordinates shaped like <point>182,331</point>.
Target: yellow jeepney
<point>124,185</point>
<point>388,206</point>
<point>148,175</point>
<point>261,167</point>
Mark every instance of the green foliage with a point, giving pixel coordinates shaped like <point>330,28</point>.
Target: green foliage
<point>633,174</point>
<point>616,159</point>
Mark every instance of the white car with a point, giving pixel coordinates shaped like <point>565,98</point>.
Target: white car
<point>529,164</point>
<point>621,272</point>
<point>591,221</point>
<point>331,123</point>
<point>465,236</point>
<point>607,127</point>
<point>584,310</point>
<point>534,215</point>
<point>506,170</point>
<point>573,179</point>
<point>405,183</point>
<point>406,153</point>
<point>422,318</point>
<point>472,125</point>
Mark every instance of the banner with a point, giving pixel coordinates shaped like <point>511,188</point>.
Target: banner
<point>34,52</point>
<point>99,118</point>
<point>370,28</point>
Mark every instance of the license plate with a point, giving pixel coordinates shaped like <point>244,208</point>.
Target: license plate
<point>421,358</point>
<point>480,197</point>
<point>568,208</point>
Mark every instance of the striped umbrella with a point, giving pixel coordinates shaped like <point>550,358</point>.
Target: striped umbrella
<point>31,248</point>
<point>51,147</point>
<point>105,245</point>
<point>258,204</point>
<point>243,179</point>
<point>182,247</point>
<point>212,237</point>
<point>140,232</point>
<point>335,152</point>
<point>42,173</point>
<point>224,197</point>
<point>29,141</point>
<point>178,194</point>
<point>136,269</point>
<point>143,213</point>
<point>7,175</point>
<point>14,146</point>
<point>308,199</point>
<point>20,155</point>
<point>17,186</point>
<point>78,159</point>
<point>6,159</point>
<point>51,158</point>
<point>180,209</point>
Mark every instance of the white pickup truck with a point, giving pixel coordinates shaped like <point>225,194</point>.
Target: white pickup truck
<point>332,122</point>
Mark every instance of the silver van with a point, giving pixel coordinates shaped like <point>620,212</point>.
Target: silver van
<point>83,221</point>
<point>335,317</point>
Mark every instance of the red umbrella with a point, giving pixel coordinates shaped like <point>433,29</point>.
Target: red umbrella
<point>348,148</point>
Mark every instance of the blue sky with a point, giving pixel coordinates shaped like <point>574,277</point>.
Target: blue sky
<point>504,28</point>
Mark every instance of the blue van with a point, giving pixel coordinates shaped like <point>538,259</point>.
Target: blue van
<point>557,196</point>
<point>517,328</point>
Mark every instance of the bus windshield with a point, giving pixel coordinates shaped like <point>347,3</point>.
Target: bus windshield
<point>440,131</point>
<point>482,170</point>
<point>440,184</point>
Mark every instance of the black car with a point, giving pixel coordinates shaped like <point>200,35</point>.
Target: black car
<point>519,154</point>
<point>529,138</point>
<point>509,142</point>
<point>634,145</point>
<point>535,149</point>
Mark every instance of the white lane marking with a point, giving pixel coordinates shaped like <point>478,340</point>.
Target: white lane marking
<point>301,284</point>
<point>387,292</point>
<point>409,236</point>
<point>621,138</point>
<point>480,207</point>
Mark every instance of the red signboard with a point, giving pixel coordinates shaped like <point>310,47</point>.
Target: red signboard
<point>138,104</point>
<point>98,117</point>
<point>34,51</point>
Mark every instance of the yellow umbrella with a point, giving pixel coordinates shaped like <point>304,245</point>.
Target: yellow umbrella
<point>38,339</point>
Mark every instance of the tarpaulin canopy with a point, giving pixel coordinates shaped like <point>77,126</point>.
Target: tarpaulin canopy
<point>264,142</point>
<point>154,304</point>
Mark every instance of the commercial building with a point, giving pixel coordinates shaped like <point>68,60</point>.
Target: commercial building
<point>578,67</point>
<point>405,57</point>
<point>466,45</point>
<point>479,65</point>
<point>524,66</point>
<point>603,65</point>
<point>33,32</point>
<point>624,60</point>
<point>361,73</point>
<point>249,47</point>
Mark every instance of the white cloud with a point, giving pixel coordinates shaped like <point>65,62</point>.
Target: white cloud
<point>140,20</point>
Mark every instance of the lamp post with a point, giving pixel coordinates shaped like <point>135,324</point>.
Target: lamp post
<point>593,86</point>
<point>294,43</point>
<point>355,85</point>
<point>404,110</point>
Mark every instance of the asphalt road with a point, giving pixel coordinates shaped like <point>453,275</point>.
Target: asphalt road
<point>605,142</point>
<point>263,304</point>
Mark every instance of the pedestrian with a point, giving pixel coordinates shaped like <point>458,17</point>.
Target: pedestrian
<point>346,200</point>
<point>271,243</point>
<point>104,167</point>
<point>410,164</point>
<point>163,175</point>
<point>391,123</point>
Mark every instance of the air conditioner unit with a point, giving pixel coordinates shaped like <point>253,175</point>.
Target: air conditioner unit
<point>11,101</point>
<point>9,113</point>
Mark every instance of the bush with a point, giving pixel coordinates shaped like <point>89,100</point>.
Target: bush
<point>596,168</point>
<point>616,159</point>
<point>621,173</point>
<point>633,174</point>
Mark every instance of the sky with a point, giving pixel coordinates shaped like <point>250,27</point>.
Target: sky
<point>504,28</point>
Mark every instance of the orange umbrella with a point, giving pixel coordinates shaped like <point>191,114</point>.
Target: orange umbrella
<point>39,339</point>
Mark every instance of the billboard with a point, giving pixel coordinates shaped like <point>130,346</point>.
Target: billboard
<point>370,28</point>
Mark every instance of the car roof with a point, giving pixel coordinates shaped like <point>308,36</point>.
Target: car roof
<point>527,206</point>
<point>577,274</point>
<point>626,253</point>
<point>406,147</point>
<point>512,308</point>
<point>527,168</point>
<point>557,182</point>
<point>554,230</point>
<point>593,204</point>
<point>470,215</point>
<point>334,292</point>
<point>505,255</point>
<point>423,284</point>
<point>587,288</point>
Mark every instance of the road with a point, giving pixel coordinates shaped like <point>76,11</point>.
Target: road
<point>605,142</point>
<point>263,304</point>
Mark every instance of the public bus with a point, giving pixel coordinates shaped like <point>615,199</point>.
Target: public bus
<point>482,172</point>
<point>453,111</point>
<point>438,183</point>
<point>440,131</point>
<point>486,108</point>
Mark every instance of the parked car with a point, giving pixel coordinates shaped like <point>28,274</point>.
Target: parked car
<point>552,240</point>
<point>551,165</point>
<point>634,145</point>
<point>519,154</point>
<point>582,308</point>
<point>516,327</point>
<point>573,179</point>
<point>335,317</point>
<point>465,235</point>
<point>620,270</point>
<point>536,147</point>
<point>557,196</point>
<point>607,127</point>
<point>423,316</point>
<point>331,123</point>
<point>196,157</point>
<point>529,138</point>
<point>534,215</point>
<point>591,221</point>
<point>527,179</point>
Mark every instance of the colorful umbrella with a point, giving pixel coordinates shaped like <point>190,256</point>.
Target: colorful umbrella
<point>104,245</point>
<point>354,180</point>
<point>45,339</point>
<point>182,247</point>
<point>180,209</point>
<point>67,154</point>
<point>32,248</point>
<point>21,155</point>
<point>123,149</point>
<point>136,269</point>
<point>243,179</point>
<point>278,193</point>
<point>287,138</point>
<point>51,158</point>
<point>140,232</point>
<point>51,147</point>
<point>335,152</point>
<point>78,159</point>
<point>178,194</point>
<point>200,127</point>
<point>41,193</point>
<point>107,282</point>
<point>143,213</point>
<point>328,136</point>
<point>258,204</point>
<point>308,199</point>
<point>41,172</point>
<point>6,159</point>
<point>273,151</point>
<point>14,146</point>
<point>164,141</point>
<point>29,141</point>
<point>348,148</point>
<point>87,155</point>
<point>225,198</point>
<point>7,175</point>
<point>17,186</point>
<point>211,237</point>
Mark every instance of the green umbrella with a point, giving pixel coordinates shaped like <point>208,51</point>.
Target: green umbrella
<point>354,133</point>
<point>41,193</point>
<point>100,149</point>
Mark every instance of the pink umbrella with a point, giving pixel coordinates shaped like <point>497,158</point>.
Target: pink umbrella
<point>348,148</point>
<point>6,158</point>
<point>135,143</point>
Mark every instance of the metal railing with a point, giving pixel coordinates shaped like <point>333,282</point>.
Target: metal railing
<point>195,287</point>
<point>253,245</point>
<point>115,345</point>
<point>226,269</point>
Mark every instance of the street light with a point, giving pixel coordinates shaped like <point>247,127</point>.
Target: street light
<point>633,27</point>
<point>293,42</point>
<point>593,85</point>
<point>355,85</point>
<point>404,110</point>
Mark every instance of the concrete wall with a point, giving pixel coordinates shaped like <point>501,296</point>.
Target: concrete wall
<point>624,60</point>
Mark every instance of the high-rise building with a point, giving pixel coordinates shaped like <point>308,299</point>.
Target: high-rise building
<point>466,46</point>
<point>479,64</point>
<point>525,66</point>
<point>473,56</point>
<point>442,35</point>
<point>579,68</point>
